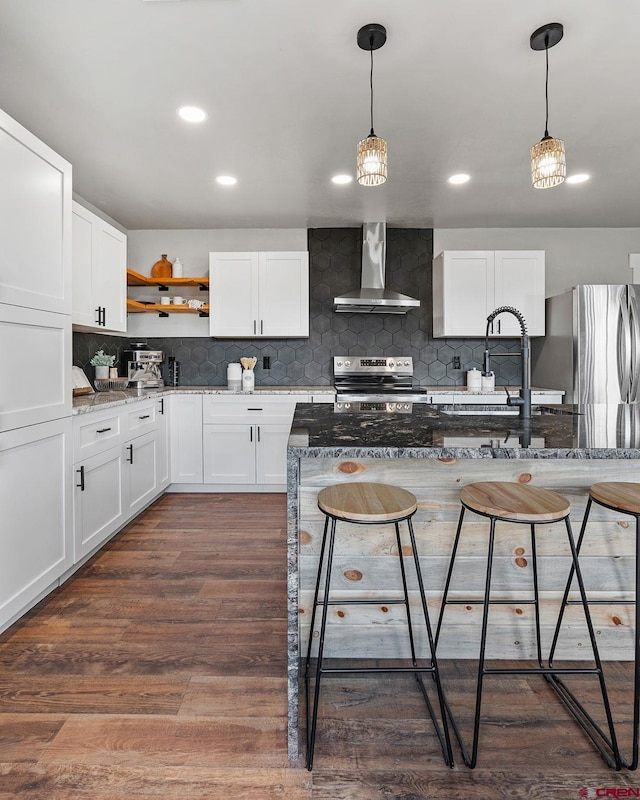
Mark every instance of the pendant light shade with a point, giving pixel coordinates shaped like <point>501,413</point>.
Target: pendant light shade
<point>371,165</point>
<point>548,160</point>
<point>371,162</point>
<point>548,163</point>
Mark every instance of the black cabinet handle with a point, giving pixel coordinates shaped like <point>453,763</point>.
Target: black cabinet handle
<point>98,312</point>
<point>254,325</point>
<point>104,316</point>
<point>81,484</point>
<point>251,433</point>
<point>254,409</point>
<point>261,326</point>
<point>258,434</point>
<point>146,416</point>
<point>130,449</point>
<point>162,405</point>
<point>103,430</point>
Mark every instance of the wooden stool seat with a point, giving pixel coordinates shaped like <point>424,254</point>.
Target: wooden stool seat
<point>514,501</point>
<point>367,502</point>
<point>617,495</point>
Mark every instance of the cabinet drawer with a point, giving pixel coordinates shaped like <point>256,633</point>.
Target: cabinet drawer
<point>95,432</point>
<point>140,418</point>
<point>247,410</point>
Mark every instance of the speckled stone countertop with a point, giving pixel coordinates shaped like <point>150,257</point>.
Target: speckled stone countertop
<point>565,431</point>
<point>100,400</point>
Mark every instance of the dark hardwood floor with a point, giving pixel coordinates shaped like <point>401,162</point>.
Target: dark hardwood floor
<point>159,671</point>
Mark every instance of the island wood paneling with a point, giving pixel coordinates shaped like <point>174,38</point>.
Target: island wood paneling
<point>364,561</point>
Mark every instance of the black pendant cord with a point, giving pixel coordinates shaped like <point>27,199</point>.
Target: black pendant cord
<point>546,89</point>
<point>371,87</point>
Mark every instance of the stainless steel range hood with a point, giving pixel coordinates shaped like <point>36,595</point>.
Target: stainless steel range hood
<point>372,297</point>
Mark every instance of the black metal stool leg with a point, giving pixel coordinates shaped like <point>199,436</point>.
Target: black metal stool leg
<point>536,595</point>
<point>445,593</point>
<point>443,738</point>
<point>311,737</point>
<point>580,714</point>
<point>406,595</point>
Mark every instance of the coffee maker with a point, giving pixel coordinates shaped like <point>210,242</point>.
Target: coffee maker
<point>142,366</point>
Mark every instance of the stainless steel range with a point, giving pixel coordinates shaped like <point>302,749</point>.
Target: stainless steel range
<point>380,383</point>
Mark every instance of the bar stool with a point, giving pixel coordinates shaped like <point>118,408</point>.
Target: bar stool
<point>514,502</point>
<point>370,504</point>
<point>625,499</point>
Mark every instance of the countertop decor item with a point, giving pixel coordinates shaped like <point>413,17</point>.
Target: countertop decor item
<point>111,384</point>
<point>102,363</point>
<point>248,375</point>
<point>178,270</point>
<point>162,268</point>
<point>371,164</point>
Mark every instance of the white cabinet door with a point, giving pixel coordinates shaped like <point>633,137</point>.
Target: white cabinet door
<point>463,292</point>
<point>36,499</point>
<point>140,472</point>
<point>99,502</point>
<point>35,222</point>
<point>233,294</point>
<point>284,294</point>
<point>82,255</point>
<point>35,364</point>
<point>185,438</point>
<point>520,282</point>
<point>164,459</point>
<point>271,453</point>
<point>99,273</point>
<point>229,454</point>
<point>111,281</point>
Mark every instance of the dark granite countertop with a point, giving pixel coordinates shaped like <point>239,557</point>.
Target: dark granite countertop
<point>593,431</point>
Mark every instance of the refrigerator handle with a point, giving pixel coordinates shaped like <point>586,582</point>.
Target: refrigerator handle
<point>624,351</point>
<point>634,317</point>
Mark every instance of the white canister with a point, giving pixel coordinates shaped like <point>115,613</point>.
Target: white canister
<point>248,380</point>
<point>488,382</point>
<point>474,379</point>
<point>178,271</point>
<point>234,377</point>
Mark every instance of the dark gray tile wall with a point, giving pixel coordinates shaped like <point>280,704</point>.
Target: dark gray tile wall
<point>334,255</point>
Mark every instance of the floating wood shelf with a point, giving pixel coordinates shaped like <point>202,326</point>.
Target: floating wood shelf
<point>136,279</point>
<point>136,307</point>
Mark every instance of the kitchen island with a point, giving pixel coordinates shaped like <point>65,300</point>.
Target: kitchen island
<point>432,451</point>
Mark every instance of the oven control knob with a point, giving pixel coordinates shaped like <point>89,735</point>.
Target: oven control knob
<point>391,364</point>
<point>347,363</point>
<point>338,363</point>
<point>406,363</point>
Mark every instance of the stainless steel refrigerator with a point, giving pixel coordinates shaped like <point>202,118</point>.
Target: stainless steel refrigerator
<point>592,345</point>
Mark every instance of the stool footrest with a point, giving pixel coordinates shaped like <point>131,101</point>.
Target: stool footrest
<point>542,671</point>
<point>375,602</point>
<point>505,602</point>
<point>346,670</point>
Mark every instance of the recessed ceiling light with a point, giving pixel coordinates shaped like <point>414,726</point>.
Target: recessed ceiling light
<point>580,177</point>
<point>342,179</point>
<point>192,114</point>
<point>226,180</point>
<point>462,177</point>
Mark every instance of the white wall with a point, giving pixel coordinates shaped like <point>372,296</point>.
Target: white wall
<point>573,255</point>
<point>145,247</point>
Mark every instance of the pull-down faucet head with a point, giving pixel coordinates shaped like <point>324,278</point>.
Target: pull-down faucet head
<point>524,400</point>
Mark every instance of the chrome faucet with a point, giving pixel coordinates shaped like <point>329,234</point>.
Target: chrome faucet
<point>524,398</point>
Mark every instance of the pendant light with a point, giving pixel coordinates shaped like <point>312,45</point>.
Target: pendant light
<point>371,164</point>
<point>548,163</point>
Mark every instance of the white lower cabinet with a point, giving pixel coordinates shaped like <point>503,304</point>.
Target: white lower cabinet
<point>117,467</point>
<point>36,501</point>
<point>140,472</point>
<point>245,454</point>
<point>185,438</point>
<point>99,507</point>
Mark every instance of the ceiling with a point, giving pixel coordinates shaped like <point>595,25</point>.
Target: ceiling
<point>286,88</point>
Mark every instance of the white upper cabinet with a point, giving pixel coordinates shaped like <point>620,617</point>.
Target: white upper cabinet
<point>99,273</point>
<point>35,222</point>
<point>469,284</point>
<point>259,294</point>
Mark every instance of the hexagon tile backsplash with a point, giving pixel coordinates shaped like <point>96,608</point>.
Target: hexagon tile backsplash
<point>334,258</point>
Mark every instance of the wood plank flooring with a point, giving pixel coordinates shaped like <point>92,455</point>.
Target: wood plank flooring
<point>159,671</point>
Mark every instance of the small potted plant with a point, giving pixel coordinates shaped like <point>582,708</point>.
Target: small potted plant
<point>102,363</point>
